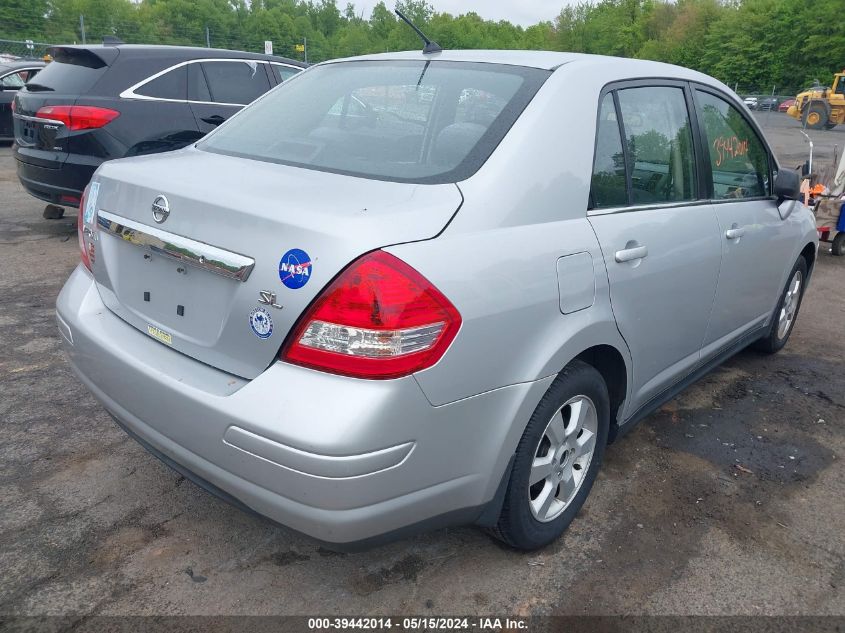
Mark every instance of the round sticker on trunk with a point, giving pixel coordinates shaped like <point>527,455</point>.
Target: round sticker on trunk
<point>295,268</point>
<point>261,322</point>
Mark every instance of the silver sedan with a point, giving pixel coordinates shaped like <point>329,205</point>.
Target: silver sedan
<point>418,289</point>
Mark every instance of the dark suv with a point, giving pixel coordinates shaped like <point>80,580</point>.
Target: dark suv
<point>95,103</point>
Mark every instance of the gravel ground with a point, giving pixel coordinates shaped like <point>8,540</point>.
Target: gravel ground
<point>726,501</point>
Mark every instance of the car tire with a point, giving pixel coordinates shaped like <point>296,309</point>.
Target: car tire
<point>786,312</point>
<point>829,126</point>
<point>838,246</point>
<point>573,416</point>
<point>815,117</point>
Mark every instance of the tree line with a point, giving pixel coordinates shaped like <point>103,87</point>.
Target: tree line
<point>754,45</point>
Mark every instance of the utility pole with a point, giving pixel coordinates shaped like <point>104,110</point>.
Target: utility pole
<point>207,37</point>
<point>305,48</point>
<point>82,26</point>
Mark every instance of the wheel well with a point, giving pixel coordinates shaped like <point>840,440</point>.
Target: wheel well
<point>809,255</point>
<point>611,365</point>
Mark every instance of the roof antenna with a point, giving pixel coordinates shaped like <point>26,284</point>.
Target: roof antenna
<point>430,47</point>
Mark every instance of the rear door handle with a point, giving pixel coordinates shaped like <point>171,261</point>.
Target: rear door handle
<point>735,232</point>
<point>215,119</point>
<point>631,254</point>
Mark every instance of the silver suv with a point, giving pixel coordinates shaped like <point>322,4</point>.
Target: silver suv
<point>413,289</point>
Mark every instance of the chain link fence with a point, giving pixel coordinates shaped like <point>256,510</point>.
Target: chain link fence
<point>28,49</point>
<point>11,50</point>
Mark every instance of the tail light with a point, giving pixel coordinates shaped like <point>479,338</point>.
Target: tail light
<point>85,226</point>
<point>78,117</point>
<point>379,319</point>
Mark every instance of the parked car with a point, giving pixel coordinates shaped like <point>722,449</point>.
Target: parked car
<point>96,103</point>
<point>13,75</point>
<point>359,311</point>
<point>751,102</point>
<point>767,103</point>
<point>786,104</point>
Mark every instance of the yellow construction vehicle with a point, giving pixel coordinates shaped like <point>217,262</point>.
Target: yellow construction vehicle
<point>821,107</point>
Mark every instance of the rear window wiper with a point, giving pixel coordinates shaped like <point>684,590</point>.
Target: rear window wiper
<point>39,88</point>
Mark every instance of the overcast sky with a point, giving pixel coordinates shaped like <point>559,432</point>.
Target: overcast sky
<point>524,12</point>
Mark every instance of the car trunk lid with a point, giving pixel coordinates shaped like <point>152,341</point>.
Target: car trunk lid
<point>245,246</point>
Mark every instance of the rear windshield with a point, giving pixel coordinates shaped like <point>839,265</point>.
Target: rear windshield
<point>406,121</point>
<point>73,72</point>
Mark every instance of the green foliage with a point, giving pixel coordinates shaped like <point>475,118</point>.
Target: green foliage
<point>754,45</point>
<point>29,14</point>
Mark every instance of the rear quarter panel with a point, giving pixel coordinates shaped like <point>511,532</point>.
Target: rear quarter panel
<point>504,283</point>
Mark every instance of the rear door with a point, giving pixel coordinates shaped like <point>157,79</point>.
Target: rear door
<point>219,88</point>
<point>756,243</point>
<point>73,72</point>
<point>659,238</point>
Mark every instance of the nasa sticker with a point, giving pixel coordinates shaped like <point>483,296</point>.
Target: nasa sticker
<point>295,268</point>
<point>261,322</point>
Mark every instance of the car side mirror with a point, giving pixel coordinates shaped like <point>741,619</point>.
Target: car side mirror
<point>787,185</point>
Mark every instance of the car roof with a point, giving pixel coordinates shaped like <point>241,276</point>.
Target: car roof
<point>32,63</point>
<point>546,60</point>
<point>151,51</point>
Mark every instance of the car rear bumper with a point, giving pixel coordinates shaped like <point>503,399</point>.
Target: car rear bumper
<point>339,459</point>
<point>61,183</point>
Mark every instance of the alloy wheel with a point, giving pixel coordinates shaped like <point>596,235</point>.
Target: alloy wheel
<point>790,304</point>
<point>562,458</point>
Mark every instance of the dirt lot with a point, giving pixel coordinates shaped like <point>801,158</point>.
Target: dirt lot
<point>727,501</point>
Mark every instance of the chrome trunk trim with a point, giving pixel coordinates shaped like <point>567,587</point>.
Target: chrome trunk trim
<point>183,249</point>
